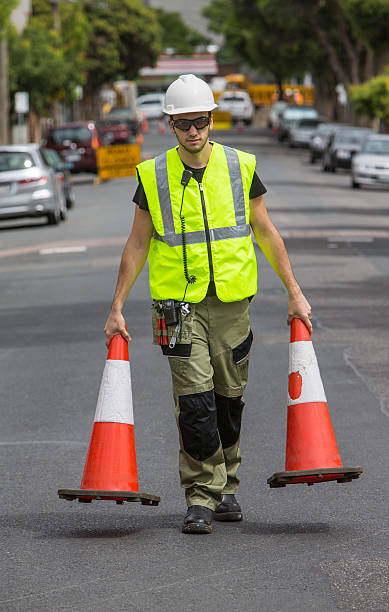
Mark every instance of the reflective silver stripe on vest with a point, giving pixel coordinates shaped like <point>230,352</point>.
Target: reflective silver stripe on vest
<point>240,230</point>
<point>226,233</point>
<point>164,193</point>
<point>236,185</point>
<point>176,239</point>
<point>220,233</point>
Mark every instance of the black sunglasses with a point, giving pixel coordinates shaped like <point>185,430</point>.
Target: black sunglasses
<point>185,124</point>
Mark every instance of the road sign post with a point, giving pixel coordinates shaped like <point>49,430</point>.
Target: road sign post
<point>22,106</point>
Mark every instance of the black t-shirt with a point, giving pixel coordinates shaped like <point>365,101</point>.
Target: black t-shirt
<point>257,187</point>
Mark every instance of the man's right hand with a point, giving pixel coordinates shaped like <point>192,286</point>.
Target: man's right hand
<point>115,325</point>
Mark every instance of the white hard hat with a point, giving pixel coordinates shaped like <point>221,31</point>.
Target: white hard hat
<point>188,94</point>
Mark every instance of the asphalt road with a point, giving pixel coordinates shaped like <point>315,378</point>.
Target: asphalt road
<point>299,548</point>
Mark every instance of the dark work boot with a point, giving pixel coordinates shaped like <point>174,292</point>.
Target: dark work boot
<point>229,509</point>
<point>198,519</point>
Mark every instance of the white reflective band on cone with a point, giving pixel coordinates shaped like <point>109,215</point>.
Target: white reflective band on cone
<point>114,404</point>
<point>302,359</point>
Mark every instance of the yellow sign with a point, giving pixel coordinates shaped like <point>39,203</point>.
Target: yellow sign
<point>118,161</point>
<point>221,120</point>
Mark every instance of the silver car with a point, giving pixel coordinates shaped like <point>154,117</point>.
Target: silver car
<point>150,105</point>
<point>301,133</point>
<point>371,165</point>
<point>239,104</point>
<point>29,187</point>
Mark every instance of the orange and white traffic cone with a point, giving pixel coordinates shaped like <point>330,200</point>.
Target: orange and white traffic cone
<point>110,469</point>
<point>145,125</point>
<point>240,125</point>
<point>162,126</point>
<point>312,453</point>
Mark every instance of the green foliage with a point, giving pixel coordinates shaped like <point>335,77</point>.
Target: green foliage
<point>46,63</point>
<point>99,41</point>
<point>337,40</point>
<point>125,36</point>
<point>177,35</point>
<point>372,98</point>
<point>37,64</point>
<point>268,34</point>
<point>369,20</point>
<point>75,33</point>
<point>6,8</point>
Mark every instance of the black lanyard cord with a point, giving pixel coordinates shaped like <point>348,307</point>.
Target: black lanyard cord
<point>190,279</point>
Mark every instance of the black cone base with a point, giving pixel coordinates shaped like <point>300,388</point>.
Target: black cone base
<point>86,496</point>
<point>310,477</point>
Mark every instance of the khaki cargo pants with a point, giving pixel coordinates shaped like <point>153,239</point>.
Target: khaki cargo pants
<point>208,385</point>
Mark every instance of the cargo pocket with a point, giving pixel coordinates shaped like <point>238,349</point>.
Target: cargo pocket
<point>240,352</point>
<point>240,357</point>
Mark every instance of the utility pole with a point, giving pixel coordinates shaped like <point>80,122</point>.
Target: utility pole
<point>4,91</point>
<point>57,28</point>
<point>19,17</point>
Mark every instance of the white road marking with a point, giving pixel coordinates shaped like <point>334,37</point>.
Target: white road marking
<point>88,242</point>
<point>26,442</point>
<point>351,239</point>
<point>69,249</point>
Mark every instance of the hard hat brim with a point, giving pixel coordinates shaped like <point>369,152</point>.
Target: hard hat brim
<point>194,109</point>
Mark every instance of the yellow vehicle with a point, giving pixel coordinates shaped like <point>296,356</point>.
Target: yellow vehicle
<point>238,81</point>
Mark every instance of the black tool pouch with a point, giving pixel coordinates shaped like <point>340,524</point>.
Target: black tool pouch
<point>179,331</point>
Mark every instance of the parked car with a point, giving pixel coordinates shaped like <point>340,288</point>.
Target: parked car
<point>301,133</point>
<point>274,114</point>
<point>29,187</point>
<point>239,104</point>
<point>113,131</point>
<point>341,147</point>
<point>290,115</point>
<point>125,114</point>
<point>76,143</point>
<point>62,170</point>
<point>320,139</point>
<point>371,165</point>
<point>150,105</point>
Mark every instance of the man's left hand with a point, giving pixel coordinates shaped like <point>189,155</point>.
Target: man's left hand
<point>299,308</point>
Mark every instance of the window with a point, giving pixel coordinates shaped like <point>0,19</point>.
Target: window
<point>377,147</point>
<point>15,160</point>
<point>73,134</point>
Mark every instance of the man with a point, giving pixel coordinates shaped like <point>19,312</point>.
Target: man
<point>196,204</point>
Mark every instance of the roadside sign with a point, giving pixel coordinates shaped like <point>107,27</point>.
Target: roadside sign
<point>22,102</point>
<point>118,161</point>
<point>221,120</point>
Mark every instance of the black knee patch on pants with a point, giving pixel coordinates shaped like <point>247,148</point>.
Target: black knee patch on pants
<point>229,418</point>
<point>198,424</point>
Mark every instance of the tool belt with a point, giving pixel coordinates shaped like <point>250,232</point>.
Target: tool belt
<point>172,327</point>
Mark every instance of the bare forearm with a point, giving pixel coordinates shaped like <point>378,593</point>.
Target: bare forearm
<point>133,259</point>
<point>272,246</point>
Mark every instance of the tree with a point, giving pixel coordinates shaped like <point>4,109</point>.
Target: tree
<point>37,65</point>
<point>49,64</point>
<point>337,40</point>
<point>125,36</point>
<point>352,34</point>
<point>269,35</point>
<point>97,42</point>
<point>372,98</point>
<point>177,35</point>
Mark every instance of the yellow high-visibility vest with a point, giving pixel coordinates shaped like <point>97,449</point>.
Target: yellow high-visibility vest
<point>215,218</point>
